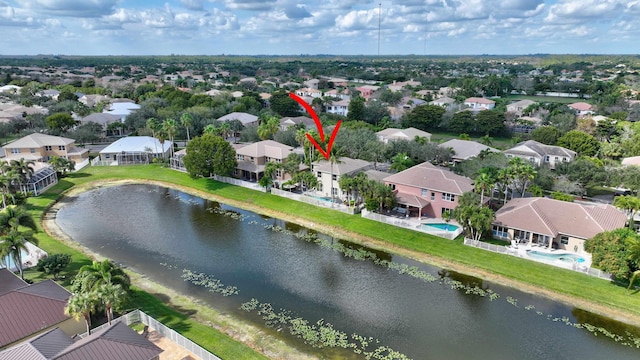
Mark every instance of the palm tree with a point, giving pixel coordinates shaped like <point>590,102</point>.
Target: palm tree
<point>91,277</point>
<point>13,216</point>
<point>301,138</point>
<point>5,188</point>
<point>186,120</point>
<point>112,296</point>
<point>13,243</point>
<point>154,125</point>
<point>23,169</point>
<point>268,128</point>
<point>224,129</point>
<point>211,129</point>
<point>162,136</point>
<point>630,204</point>
<point>505,177</point>
<point>79,306</point>
<point>483,182</point>
<point>170,127</point>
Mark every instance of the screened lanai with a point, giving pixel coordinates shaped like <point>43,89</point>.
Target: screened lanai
<point>42,179</point>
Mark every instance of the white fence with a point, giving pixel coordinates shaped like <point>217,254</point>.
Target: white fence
<point>313,201</point>
<point>506,250</point>
<point>412,224</point>
<point>139,316</point>
<point>237,182</point>
<point>82,164</point>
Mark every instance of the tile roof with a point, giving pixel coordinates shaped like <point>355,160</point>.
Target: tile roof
<point>30,309</point>
<point>581,106</point>
<point>479,100</point>
<point>344,166</point>
<point>428,176</point>
<point>38,140</point>
<point>532,147</point>
<point>405,134</point>
<point>269,148</point>
<point>244,118</point>
<point>552,217</point>
<point>465,149</point>
<point>118,342</point>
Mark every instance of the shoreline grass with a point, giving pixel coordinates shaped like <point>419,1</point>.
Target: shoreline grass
<point>577,289</point>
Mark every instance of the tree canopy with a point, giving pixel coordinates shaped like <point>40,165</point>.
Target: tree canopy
<point>208,155</point>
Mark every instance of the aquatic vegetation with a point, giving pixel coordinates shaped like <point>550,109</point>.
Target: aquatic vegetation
<point>214,285</point>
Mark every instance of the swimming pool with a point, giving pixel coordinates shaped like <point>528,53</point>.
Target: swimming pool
<point>439,226</point>
<point>566,257</point>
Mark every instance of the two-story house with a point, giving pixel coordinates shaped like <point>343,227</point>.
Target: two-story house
<point>329,178</point>
<point>518,107</point>
<point>245,118</point>
<point>310,93</point>
<point>338,107</point>
<point>287,122</point>
<point>553,223</point>
<point>428,190</point>
<point>477,104</point>
<point>41,147</point>
<point>539,153</point>
<point>582,108</point>
<point>252,159</point>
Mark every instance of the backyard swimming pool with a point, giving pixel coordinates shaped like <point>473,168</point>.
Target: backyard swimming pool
<point>566,257</point>
<point>439,226</point>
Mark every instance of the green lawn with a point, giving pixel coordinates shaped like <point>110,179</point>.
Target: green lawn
<point>577,285</point>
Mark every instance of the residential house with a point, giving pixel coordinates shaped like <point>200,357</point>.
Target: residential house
<point>366,91</point>
<point>26,310</point>
<point>444,101</point>
<point>428,190</point>
<point>253,158</point>
<point>312,83</point>
<point>41,147</point>
<point>518,107</point>
<point>342,95</point>
<point>477,104</point>
<point>466,149</point>
<point>92,100</point>
<point>539,153</point>
<point>245,118</point>
<point>10,111</point>
<point>338,107</point>
<point>330,186</point>
<point>104,119</point>
<point>133,150</point>
<point>631,161</point>
<point>115,342</point>
<point>121,108</point>
<point>553,223</point>
<point>50,93</point>
<point>391,134</point>
<point>309,93</point>
<point>287,122</point>
<point>582,108</point>
<point>10,89</point>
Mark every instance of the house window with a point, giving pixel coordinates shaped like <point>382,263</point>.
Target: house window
<point>278,173</point>
<point>564,159</point>
<point>546,158</point>
<point>334,177</point>
<point>448,197</point>
<point>15,151</point>
<point>61,147</point>
<point>33,151</point>
<point>564,240</point>
<point>319,174</point>
<point>500,232</point>
<point>424,192</point>
<point>555,159</point>
<point>433,196</point>
<point>446,211</point>
<point>334,191</point>
<point>240,158</point>
<point>47,148</point>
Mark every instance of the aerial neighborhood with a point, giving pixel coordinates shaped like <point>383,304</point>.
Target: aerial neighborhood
<point>522,157</point>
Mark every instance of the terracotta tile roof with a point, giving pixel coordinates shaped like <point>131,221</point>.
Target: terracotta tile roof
<point>581,106</point>
<point>29,309</point>
<point>428,176</point>
<point>479,100</point>
<point>552,217</point>
<point>412,200</point>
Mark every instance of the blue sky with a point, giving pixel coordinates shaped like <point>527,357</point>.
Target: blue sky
<point>347,27</point>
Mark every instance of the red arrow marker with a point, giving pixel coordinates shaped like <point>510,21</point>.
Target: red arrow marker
<point>314,116</point>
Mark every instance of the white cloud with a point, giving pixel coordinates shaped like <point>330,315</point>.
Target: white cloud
<point>73,8</point>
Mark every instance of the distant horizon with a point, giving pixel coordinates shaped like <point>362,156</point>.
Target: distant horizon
<point>324,55</point>
<point>293,27</point>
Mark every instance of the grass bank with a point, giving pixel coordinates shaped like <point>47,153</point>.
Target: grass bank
<point>574,288</point>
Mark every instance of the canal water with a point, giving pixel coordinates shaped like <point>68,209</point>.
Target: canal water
<point>417,310</point>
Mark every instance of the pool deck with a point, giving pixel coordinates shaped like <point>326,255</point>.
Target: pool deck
<point>520,250</point>
<point>34,254</point>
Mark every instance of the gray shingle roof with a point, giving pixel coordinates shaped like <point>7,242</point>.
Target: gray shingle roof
<point>38,140</point>
<point>465,149</point>
<point>531,147</point>
<point>244,118</point>
<point>344,166</point>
